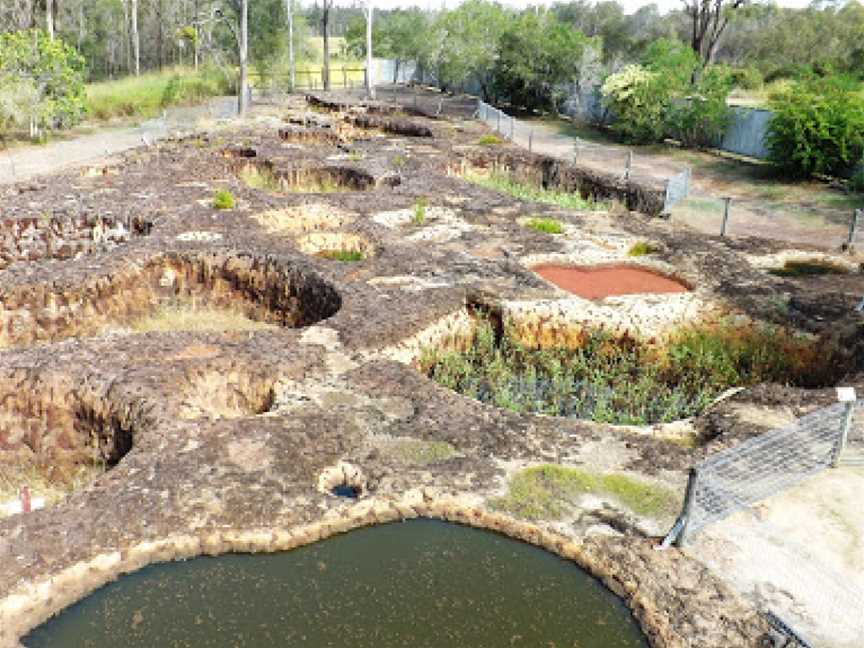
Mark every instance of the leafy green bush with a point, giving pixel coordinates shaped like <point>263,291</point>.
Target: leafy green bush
<point>41,80</point>
<point>638,98</point>
<point>699,119</point>
<point>223,199</point>
<point>856,182</point>
<point>418,218</point>
<point>817,127</point>
<point>642,248</point>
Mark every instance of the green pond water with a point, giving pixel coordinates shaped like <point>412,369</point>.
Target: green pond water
<point>415,584</point>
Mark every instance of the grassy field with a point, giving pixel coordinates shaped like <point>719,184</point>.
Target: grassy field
<point>147,95</point>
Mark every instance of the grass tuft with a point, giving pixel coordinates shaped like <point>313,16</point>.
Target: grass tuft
<point>545,225</point>
<point>808,268</point>
<point>418,218</point>
<point>642,248</point>
<point>223,199</point>
<point>490,140</point>
<point>502,182</point>
<point>546,492</point>
<point>346,256</point>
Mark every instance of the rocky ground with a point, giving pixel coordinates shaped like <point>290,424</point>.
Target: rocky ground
<point>233,440</point>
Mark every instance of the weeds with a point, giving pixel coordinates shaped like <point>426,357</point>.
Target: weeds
<point>423,453</point>
<point>546,492</point>
<point>261,179</point>
<point>642,248</point>
<point>223,199</point>
<point>503,183</point>
<point>418,218</point>
<point>545,225</point>
<point>621,380</point>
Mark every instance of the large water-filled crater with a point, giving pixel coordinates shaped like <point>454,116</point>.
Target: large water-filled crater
<point>421,583</point>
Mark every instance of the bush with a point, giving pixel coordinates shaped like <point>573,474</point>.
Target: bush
<point>748,78</point>
<point>42,81</point>
<point>817,127</point>
<point>700,119</point>
<point>638,98</point>
<point>856,182</point>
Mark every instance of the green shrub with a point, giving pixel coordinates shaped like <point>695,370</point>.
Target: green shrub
<point>545,225</point>
<point>638,98</point>
<point>699,119</point>
<point>856,182</point>
<point>817,128</point>
<point>747,78</point>
<point>223,199</point>
<point>502,182</point>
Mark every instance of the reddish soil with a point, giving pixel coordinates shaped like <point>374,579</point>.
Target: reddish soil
<point>596,283</point>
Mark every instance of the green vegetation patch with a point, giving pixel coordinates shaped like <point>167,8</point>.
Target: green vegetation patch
<point>223,199</point>
<point>347,256</point>
<point>545,225</point>
<point>626,381</point>
<point>546,492</point>
<point>808,268</point>
<point>642,248</point>
<point>418,218</point>
<point>490,140</point>
<point>503,183</point>
<point>261,179</point>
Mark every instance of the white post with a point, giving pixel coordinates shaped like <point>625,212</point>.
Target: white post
<point>292,66</point>
<point>243,96</point>
<point>370,84</point>
<point>844,395</point>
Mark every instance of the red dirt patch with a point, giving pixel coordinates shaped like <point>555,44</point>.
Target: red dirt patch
<point>596,283</point>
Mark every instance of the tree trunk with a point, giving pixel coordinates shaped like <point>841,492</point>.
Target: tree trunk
<point>370,82</point>
<point>160,51</point>
<point>325,22</point>
<point>136,40</point>
<point>292,65</point>
<point>243,99</point>
<point>49,18</point>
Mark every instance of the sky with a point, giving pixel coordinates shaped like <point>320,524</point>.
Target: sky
<point>629,5</point>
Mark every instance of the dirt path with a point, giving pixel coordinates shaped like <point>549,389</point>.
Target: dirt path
<point>763,205</point>
<point>31,161</point>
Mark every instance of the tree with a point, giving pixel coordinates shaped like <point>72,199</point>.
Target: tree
<point>243,89</point>
<point>370,83</point>
<point>327,5</point>
<point>292,65</point>
<point>708,20</point>
<point>41,81</point>
<point>467,40</point>
<point>136,41</point>
<point>537,54</point>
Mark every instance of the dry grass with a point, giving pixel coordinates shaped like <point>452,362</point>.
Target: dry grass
<point>189,317</point>
<point>48,482</point>
<point>303,219</point>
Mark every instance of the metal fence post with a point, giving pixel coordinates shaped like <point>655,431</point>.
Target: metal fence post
<point>853,225</point>
<point>628,165</point>
<point>530,140</point>
<point>498,127</point>
<point>575,150</point>
<point>512,129</point>
<point>725,223</point>
<point>687,510</point>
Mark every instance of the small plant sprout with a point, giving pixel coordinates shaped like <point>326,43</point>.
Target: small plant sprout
<point>545,225</point>
<point>399,161</point>
<point>223,199</point>
<point>419,216</point>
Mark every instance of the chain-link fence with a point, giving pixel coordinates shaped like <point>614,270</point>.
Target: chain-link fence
<point>602,157</point>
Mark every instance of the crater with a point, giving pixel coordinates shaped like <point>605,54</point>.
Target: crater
<point>326,179</point>
<point>226,394</point>
<point>607,281</point>
<point>261,289</point>
<point>303,219</point>
<point>55,438</point>
<point>337,246</point>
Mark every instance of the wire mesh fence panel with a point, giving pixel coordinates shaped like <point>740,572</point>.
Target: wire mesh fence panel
<point>763,466</point>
